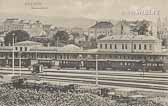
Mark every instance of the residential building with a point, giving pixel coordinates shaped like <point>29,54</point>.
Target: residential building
<point>11,24</point>
<point>77,30</point>
<point>100,28</point>
<point>36,28</point>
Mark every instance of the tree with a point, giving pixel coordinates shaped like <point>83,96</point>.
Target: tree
<point>61,37</point>
<point>75,34</point>
<point>18,35</point>
<point>142,27</point>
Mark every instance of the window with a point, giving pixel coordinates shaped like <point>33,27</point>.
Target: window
<point>16,48</point>
<point>20,48</point>
<point>125,63</point>
<point>124,57</point>
<point>145,46</point>
<point>105,46</point>
<point>122,46</point>
<point>110,46</point>
<point>125,46</point>
<point>150,46</point>
<point>101,46</point>
<point>115,46</point>
<point>134,46</point>
<point>139,46</point>
<point>25,48</point>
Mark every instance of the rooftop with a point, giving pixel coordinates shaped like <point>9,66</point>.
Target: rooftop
<point>129,37</point>
<point>71,47</point>
<point>28,43</point>
<point>66,48</point>
<point>102,24</point>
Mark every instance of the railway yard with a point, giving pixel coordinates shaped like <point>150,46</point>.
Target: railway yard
<point>143,89</point>
<point>139,80</point>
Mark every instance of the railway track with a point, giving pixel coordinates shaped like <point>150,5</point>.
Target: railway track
<point>151,81</point>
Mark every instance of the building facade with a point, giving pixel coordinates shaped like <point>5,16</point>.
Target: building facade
<point>130,43</point>
<point>100,28</point>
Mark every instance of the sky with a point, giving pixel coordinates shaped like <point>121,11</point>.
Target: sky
<point>94,9</point>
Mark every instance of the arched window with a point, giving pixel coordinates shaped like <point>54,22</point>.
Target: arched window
<point>139,46</point>
<point>115,46</point>
<point>150,46</point>
<point>110,46</point>
<point>105,46</point>
<point>101,46</point>
<point>125,46</point>
<point>145,46</point>
<point>122,46</point>
<point>134,46</point>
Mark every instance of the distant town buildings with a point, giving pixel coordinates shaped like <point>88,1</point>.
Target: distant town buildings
<point>77,30</point>
<point>2,35</point>
<point>33,28</point>
<point>11,24</point>
<point>44,32</point>
<point>162,30</point>
<point>36,28</point>
<point>123,27</point>
<point>100,28</point>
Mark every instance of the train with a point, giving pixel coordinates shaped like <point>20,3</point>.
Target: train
<point>112,64</point>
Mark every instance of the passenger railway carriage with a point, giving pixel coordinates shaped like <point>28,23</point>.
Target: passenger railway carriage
<point>118,65</point>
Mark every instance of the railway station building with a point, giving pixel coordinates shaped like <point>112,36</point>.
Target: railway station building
<point>112,48</point>
<point>130,44</point>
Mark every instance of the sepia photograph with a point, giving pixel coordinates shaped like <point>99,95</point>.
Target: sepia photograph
<point>83,52</point>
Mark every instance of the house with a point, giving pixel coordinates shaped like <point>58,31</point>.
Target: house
<point>100,28</point>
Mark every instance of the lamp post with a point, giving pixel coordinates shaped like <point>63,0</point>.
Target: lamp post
<point>97,74</point>
<point>13,54</point>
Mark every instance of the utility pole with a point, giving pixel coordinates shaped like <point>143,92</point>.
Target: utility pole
<point>20,63</point>
<point>97,71</point>
<point>13,54</point>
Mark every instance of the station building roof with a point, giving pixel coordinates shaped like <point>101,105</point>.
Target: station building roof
<point>89,51</point>
<point>28,43</point>
<point>71,47</point>
<point>66,49</point>
<point>129,37</point>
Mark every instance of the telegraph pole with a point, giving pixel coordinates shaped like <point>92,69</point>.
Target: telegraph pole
<point>97,71</point>
<point>20,63</point>
<point>13,54</point>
